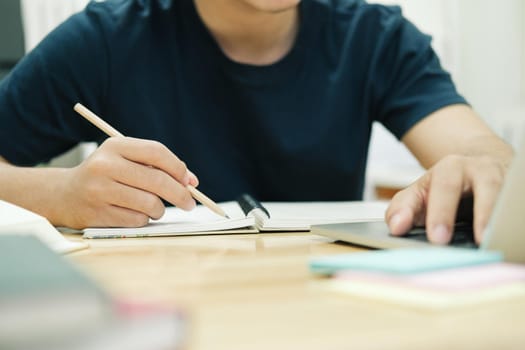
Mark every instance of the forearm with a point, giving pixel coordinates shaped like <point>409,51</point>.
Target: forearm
<point>120,185</point>
<point>455,130</point>
<point>488,145</point>
<point>36,189</point>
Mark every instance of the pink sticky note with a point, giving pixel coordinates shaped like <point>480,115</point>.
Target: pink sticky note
<point>451,280</point>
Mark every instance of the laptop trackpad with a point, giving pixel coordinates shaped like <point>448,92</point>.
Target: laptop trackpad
<point>375,234</point>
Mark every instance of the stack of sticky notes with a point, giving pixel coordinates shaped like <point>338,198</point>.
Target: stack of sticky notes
<point>432,278</point>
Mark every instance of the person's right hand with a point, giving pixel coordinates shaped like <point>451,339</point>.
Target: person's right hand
<point>121,184</point>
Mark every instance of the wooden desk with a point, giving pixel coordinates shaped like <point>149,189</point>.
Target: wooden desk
<point>255,292</point>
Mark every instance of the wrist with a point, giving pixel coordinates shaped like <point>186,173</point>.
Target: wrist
<point>37,189</point>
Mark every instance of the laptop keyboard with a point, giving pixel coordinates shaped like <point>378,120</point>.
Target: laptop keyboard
<point>463,235</point>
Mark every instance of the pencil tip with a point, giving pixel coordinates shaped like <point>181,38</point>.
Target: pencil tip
<point>226,216</point>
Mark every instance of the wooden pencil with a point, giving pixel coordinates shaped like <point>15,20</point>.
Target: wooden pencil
<point>112,132</point>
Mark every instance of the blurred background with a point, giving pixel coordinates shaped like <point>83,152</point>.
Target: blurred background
<point>481,42</point>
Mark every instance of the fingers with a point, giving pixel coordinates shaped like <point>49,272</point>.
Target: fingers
<point>105,203</point>
<point>147,165</point>
<point>452,179</point>
<point>432,200</point>
<point>486,187</point>
<point>407,208</point>
<point>114,216</point>
<point>194,181</point>
<point>96,195</point>
<point>401,213</point>
<point>135,200</point>
<point>447,185</point>
<point>153,181</point>
<point>154,154</point>
<point>435,197</point>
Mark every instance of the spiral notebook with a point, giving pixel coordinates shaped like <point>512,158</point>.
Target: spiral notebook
<point>247,215</point>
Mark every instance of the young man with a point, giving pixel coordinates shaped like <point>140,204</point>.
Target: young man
<point>271,97</point>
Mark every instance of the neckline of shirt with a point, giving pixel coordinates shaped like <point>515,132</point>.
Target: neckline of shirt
<point>256,75</point>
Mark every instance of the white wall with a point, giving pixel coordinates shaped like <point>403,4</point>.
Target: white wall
<point>41,16</point>
<point>491,66</point>
<point>523,53</point>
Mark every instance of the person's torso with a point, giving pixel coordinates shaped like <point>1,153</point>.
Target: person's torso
<point>297,129</point>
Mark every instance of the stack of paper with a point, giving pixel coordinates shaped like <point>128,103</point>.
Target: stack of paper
<point>17,220</point>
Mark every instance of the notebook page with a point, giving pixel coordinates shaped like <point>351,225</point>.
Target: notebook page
<point>175,221</point>
<point>301,215</point>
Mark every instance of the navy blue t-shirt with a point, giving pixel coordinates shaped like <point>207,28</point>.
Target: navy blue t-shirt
<point>297,129</point>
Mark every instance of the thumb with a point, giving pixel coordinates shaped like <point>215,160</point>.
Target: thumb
<point>408,207</point>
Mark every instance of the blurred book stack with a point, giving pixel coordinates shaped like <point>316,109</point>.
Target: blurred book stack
<point>47,303</point>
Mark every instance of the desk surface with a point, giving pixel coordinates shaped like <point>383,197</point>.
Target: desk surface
<point>255,291</point>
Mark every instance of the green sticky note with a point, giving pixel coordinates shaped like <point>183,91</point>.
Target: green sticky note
<point>404,261</point>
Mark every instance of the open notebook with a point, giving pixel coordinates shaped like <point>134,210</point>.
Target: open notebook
<point>248,216</point>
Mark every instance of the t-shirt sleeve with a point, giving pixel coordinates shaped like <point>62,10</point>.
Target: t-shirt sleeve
<point>407,78</point>
<point>37,98</point>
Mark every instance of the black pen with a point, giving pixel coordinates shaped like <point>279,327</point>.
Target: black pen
<point>251,205</point>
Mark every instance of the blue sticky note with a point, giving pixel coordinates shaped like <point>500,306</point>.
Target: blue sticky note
<point>404,261</point>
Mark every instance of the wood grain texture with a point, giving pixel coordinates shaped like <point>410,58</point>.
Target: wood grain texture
<point>255,292</point>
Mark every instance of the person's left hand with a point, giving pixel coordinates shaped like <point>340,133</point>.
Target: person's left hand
<point>434,198</point>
